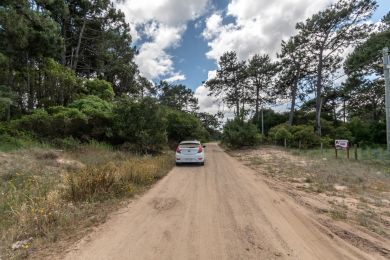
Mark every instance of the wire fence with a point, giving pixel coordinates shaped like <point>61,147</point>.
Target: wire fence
<point>379,154</point>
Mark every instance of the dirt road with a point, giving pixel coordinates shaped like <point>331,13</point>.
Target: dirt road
<point>220,211</point>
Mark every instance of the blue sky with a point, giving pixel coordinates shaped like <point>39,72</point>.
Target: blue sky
<point>190,58</point>
<point>181,40</point>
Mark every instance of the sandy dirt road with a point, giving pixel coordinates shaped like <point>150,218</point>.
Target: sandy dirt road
<point>219,211</point>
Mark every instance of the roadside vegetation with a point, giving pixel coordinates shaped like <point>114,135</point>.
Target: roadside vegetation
<point>80,128</point>
<point>52,196</point>
<point>338,191</point>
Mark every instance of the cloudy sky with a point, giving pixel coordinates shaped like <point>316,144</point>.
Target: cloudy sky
<point>181,40</point>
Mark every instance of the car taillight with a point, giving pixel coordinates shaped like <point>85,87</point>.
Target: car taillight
<point>178,150</point>
<point>200,149</point>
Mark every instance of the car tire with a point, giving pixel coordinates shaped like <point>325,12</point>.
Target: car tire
<point>178,164</point>
<point>201,164</point>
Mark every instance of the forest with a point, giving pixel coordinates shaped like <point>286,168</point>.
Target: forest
<point>68,76</point>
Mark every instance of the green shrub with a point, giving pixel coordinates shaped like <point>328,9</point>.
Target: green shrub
<point>306,135</point>
<point>182,125</point>
<point>99,114</point>
<point>237,134</point>
<point>67,143</point>
<point>38,123</point>
<point>140,123</point>
<point>85,119</point>
<point>359,131</point>
<point>295,134</point>
<point>9,143</point>
<point>377,132</point>
<point>343,132</point>
<point>100,88</point>
<point>279,133</point>
<point>283,134</point>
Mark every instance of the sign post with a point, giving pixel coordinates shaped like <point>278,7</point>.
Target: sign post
<point>341,145</point>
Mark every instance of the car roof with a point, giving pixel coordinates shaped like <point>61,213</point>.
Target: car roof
<point>190,142</point>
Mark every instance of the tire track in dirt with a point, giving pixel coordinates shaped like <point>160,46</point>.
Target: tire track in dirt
<point>219,211</point>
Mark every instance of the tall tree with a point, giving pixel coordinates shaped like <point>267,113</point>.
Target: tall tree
<point>366,59</point>
<point>326,36</point>
<point>229,81</point>
<point>27,36</point>
<point>260,74</point>
<point>178,97</point>
<point>96,41</point>
<point>364,89</point>
<point>294,71</point>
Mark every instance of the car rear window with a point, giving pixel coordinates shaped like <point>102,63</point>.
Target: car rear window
<point>189,145</point>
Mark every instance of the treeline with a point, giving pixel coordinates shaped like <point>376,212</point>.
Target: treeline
<point>67,74</point>
<point>306,74</point>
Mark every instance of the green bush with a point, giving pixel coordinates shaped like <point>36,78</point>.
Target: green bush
<point>295,134</point>
<point>359,131</point>
<point>100,88</point>
<point>182,125</point>
<point>279,133</point>
<point>67,143</point>
<point>283,134</point>
<point>38,123</point>
<point>377,132</point>
<point>306,135</point>
<point>343,132</point>
<point>141,124</point>
<point>237,134</point>
<point>99,114</point>
<point>85,119</point>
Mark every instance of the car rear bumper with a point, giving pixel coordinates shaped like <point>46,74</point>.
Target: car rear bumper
<point>198,158</point>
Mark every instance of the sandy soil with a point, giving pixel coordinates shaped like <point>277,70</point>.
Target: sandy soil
<point>219,211</point>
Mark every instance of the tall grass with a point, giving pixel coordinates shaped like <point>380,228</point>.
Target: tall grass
<point>113,180</point>
<point>42,200</point>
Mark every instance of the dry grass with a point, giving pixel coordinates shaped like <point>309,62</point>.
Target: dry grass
<point>49,195</point>
<point>343,183</point>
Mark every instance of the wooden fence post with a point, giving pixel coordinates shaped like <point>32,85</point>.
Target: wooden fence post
<point>356,155</point>
<point>285,143</point>
<point>322,148</point>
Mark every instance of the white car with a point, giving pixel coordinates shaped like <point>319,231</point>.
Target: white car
<point>190,152</point>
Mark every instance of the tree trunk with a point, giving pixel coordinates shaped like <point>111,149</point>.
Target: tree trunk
<point>257,104</point>
<point>76,55</point>
<point>237,101</point>
<point>63,54</point>
<point>319,94</point>
<point>262,121</point>
<point>344,107</point>
<point>8,114</point>
<point>30,102</point>
<point>294,91</point>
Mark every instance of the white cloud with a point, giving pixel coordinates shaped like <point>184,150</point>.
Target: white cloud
<point>258,27</point>
<point>213,26</point>
<point>153,60</point>
<point>176,77</point>
<point>158,25</point>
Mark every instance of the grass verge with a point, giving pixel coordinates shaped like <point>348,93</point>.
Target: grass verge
<point>357,192</point>
<point>48,196</point>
